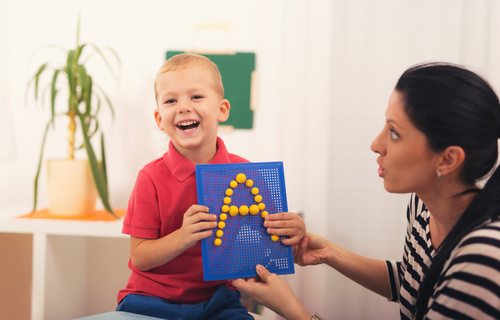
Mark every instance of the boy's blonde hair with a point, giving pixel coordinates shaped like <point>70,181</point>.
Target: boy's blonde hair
<point>187,60</point>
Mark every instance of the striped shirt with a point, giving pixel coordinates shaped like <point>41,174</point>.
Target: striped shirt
<point>469,285</point>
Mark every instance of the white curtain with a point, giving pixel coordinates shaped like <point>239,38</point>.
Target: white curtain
<point>6,126</point>
<point>341,60</point>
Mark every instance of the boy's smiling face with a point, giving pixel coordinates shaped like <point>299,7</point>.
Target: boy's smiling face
<point>189,110</point>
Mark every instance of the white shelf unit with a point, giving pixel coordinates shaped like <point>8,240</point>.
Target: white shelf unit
<point>77,267</point>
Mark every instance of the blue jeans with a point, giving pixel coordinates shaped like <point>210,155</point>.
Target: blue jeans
<point>224,304</point>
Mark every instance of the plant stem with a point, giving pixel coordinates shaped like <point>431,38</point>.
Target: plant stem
<point>71,138</point>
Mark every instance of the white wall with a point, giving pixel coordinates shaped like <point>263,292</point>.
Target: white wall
<point>326,70</point>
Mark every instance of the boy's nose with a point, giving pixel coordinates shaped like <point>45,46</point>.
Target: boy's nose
<point>185,108</point>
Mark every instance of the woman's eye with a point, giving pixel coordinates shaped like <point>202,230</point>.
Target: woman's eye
<point>394,134</point>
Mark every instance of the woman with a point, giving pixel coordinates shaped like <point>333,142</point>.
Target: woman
<point>440,138</point>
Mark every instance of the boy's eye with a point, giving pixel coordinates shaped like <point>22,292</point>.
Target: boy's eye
<point>170,101</point>
<point>197,97</point>
<point>394,134</point>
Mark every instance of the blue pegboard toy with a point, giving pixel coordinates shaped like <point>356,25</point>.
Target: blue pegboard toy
<point>239,203</point>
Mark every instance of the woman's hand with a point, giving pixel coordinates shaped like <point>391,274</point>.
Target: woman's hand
<point>274,293</point>
<point>312,250</point>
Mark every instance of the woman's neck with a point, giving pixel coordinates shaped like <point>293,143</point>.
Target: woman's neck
<point>446,208</point>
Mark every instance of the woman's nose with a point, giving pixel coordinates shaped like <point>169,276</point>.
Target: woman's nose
<point>376,145</point>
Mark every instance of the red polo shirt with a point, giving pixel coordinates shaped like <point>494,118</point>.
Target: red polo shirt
<point>164,190</point>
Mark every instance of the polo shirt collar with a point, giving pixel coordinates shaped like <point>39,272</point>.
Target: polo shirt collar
<point>182,168</point>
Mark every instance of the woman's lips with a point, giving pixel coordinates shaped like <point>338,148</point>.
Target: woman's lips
<point>381,172</point>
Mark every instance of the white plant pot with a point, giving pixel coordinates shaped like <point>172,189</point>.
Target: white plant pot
<point>70,187</point>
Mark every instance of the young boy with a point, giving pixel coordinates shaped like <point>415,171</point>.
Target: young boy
<point>163,219</point>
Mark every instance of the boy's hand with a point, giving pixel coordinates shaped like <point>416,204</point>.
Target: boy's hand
<point>147,254</point>
<point>286,224</point>
<point>196,225</point>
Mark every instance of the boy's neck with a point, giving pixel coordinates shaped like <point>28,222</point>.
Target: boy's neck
<point>200,156</point>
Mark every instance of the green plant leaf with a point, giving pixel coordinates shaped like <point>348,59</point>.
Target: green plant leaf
<point>117,57</point>
<point>108,101</point>
<point>71,71</point>
<point>99,52</point>
<point>97,173</point>
<point>37,78</point>
<point>98,108</point>
<point>103,161</point>
<point>87,93</point>
<point>84,86</point>
<point>53,94</point>
<point>79,52</point>
<point>96,128</point>
<point>47,46</point>
<point>40,160</point>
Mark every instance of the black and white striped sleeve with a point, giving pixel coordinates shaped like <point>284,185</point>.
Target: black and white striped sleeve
<point>396,269</point>
<point>469,287</point>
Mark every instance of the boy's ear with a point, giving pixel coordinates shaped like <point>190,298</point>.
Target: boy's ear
<point>224,110</point>
<point>451,160</point>
<point>158,119</point>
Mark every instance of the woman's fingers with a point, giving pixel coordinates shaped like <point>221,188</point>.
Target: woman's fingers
<point>263,273</point>
<point>301,250</point>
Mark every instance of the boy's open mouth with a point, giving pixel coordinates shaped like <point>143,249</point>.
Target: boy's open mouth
<point>188,125</point>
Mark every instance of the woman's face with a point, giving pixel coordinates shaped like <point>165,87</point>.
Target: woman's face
<point>407,164</point>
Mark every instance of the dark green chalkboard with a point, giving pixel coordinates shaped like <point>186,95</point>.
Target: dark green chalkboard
<point>236,71</point>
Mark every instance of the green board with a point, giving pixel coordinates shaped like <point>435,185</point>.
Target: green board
<point>236,71</point>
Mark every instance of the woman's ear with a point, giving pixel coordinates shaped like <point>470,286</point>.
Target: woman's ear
<point>451,160</point>
<point>158,119</point>
<point>223,110</point>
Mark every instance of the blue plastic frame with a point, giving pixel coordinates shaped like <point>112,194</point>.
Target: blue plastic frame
<point>245,242</point>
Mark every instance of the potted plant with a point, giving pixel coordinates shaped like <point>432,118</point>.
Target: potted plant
<point>81,104</point>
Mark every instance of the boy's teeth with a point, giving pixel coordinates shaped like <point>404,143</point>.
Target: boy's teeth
<point>187,125</point>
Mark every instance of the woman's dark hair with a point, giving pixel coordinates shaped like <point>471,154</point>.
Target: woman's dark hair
<point>453,106</point>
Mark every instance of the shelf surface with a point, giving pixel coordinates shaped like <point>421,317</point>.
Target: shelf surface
<point>16,222</point>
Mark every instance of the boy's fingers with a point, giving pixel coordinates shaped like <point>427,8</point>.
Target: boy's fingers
<point>204,234</point>
<point>205,225</point>
<point>278,224</point>
<point>277,216</point>
<point>281,216</point>
<point>283,231</point>
<point>195,208</point>
<point>289,241</point>
<point>201,216</point>
<point>206,216</point>
<point>281,223</point>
